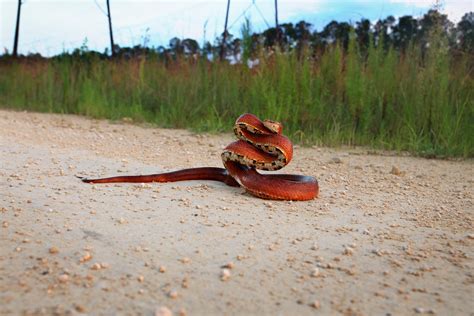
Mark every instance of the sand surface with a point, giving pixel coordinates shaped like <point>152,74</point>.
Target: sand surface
<point>374,243</point>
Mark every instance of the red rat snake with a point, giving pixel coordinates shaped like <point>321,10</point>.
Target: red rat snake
<point>260,145</point>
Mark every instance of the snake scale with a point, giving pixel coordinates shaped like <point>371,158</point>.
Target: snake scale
<point>260,145</point>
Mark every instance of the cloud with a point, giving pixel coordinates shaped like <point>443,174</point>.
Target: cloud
<point>455,9</point>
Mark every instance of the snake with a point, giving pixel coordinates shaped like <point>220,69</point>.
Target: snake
<point>260,145</point>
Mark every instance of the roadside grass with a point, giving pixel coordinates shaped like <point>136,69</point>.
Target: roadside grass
<point>414,101</point>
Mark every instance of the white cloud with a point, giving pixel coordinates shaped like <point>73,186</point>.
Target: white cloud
<point>455,9</point>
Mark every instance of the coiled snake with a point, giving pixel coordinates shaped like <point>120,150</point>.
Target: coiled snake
<point>260,145</point>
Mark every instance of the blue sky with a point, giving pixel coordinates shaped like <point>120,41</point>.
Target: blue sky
<point>51,26</point>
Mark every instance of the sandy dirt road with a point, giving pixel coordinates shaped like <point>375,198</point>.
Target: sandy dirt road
<point>374,243</point>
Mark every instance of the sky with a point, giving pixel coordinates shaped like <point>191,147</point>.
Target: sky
<point>50,27</point>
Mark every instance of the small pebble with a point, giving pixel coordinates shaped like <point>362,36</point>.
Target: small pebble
<point>87,256</point>
<point>316,304</point>
<point>225,274</point>
<point>315,273</point>
<point>96,266</point>
<point>80,308</point>
<point>162,269</point>
<point>378,252</point>
<point>173,294</point>
<point>395,171</point>
<point>53,250</point>
<point>228,265</point>
<point>185,260</point>
<point>121,220</point>
<point>163,311</point>
<point>63,278</point>
<point>421,310</point>
<point>140,278</point>
<point>185,283</point>
<point>348,251</point>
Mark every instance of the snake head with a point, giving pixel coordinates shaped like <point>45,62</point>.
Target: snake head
<point>273,126</point>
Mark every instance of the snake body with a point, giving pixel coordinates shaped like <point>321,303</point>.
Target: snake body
<point>260,145</point>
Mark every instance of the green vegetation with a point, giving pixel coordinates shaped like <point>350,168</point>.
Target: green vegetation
<point>416,100</point>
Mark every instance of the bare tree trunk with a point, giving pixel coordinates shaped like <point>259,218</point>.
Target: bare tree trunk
<point>17,30</point>
<point>224,35</point>
<point>110,30</point>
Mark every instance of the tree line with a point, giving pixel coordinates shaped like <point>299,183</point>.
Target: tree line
<point>390,32</point>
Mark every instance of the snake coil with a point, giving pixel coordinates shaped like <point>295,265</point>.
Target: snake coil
<point>260,145</point>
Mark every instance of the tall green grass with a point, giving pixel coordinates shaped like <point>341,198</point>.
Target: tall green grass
<point>417,101</point>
